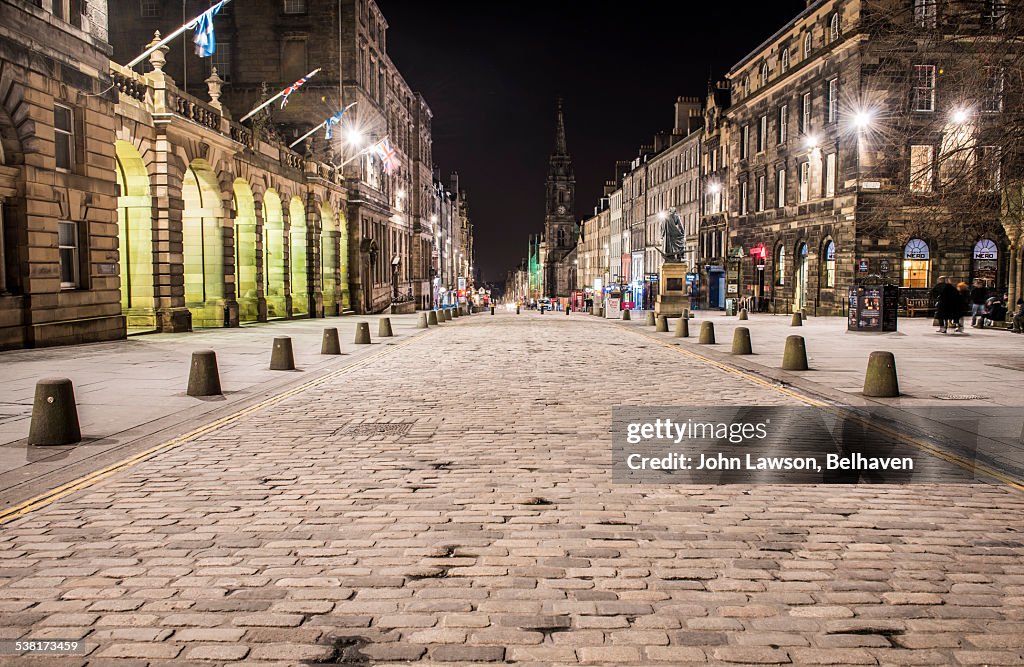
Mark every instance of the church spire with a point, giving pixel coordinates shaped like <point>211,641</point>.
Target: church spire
<point>560,147</point>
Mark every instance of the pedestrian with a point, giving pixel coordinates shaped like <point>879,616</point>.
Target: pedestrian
<point>995,311</point>
<point>965,305</point>
<point>1018,317</point>
<point>978,296</point>
<point>947,303</point>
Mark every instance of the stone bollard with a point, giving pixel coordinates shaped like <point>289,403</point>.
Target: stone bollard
<point>568,310</point>
<point>447,312</point>
<point>457,312</point>
<point>492,310</point>
<point>54,414</point>
<point>741,341</point>
<point>686,313</point>
<point>517,310</point>
<point>880,381</point>
<point>683,328</point>
<point>281,357</point>
<point>797,321</point>
<point>707,333</point>
<point>649,319</point>
<point>743,314</point>
<point>794,358</point>
<point>661,325</point>
<point>203,378</point>
<point>600,311</point>
<point>625,315</point>
<point>432,318</point>
<point>422,322</point>
<point>384,328</point>
<point>363,333</point>
<point>331,343</point>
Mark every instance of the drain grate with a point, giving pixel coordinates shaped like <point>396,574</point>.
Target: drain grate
<point>382,428</point>
<point>960,397</point>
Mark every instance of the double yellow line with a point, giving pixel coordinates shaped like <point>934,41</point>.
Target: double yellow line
<point>84,482</point>
<point>972,466</point>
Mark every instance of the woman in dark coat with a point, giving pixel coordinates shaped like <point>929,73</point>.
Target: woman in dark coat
<point>948,304</point>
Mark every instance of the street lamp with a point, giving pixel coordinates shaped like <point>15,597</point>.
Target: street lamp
<point>960,115</point>
<point>862,120</point>
<point>354,137</point>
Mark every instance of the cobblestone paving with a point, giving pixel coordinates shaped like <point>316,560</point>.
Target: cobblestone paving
<point>489,531</point>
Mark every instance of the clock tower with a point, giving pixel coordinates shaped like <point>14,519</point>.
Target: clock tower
<point>559,215</point>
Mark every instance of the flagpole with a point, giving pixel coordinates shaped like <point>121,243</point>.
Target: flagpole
<point>262,106</point>
<point>147,52</point>
<point>307,134</point>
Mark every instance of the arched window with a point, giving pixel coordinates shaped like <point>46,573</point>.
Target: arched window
<point>784,61</point>
<point>917,264</point>
<point>764,73</point>
<point>833,28</point>
<point>746,86</point>
<point>829,267</point>
<point>808,44</point>
<point>780,265</point>
<point>985,264</point>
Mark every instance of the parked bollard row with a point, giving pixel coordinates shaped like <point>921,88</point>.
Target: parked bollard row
<point>363,333</point>
<point>683,327</point>
<point>384,328</point>
<point>203,376</point>
<point>741,341</point>
<point>331,343</point>
<point>662,324</point>
<point>707,333</point>
<point>281,356</point>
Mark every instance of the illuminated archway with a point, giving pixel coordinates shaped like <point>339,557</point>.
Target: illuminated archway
<point>297,257</point>
<point>135,238</point>
<point>344,296</point>
<point>329,259</point>
<point>273,255</point>
<point>203,245</point>
<point>245,251</point>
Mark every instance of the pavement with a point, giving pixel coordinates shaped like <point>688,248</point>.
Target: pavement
<point>448,500</point>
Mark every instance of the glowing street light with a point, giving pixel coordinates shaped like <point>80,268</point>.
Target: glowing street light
<point>715,188</point>
<point>862,120</point>
<point>811,141</point>
<point>960,116</point>
<point>354,137</point>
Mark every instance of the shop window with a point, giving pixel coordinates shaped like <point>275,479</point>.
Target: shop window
<point>917,264</point>
<point>985,265</point>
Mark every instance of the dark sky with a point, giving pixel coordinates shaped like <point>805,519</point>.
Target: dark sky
<point>491,72</point>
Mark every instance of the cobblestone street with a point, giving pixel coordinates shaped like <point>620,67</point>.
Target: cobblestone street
<point>449,501</point>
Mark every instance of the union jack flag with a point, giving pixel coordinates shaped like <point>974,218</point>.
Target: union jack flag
<point>387,155</point>
<point>292,88</point>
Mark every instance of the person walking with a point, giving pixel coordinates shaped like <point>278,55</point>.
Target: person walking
<point>947,305</point>
<point>978,296</point>
<point>965,305</point>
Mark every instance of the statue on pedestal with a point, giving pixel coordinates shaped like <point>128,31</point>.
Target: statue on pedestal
<point>673,237</point>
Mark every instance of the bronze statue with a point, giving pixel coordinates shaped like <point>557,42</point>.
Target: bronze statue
<point>673,237</point>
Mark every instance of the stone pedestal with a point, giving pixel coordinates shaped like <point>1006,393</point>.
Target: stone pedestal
<point>672,298</point>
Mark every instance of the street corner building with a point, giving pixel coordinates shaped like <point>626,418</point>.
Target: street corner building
<point>133,200</point>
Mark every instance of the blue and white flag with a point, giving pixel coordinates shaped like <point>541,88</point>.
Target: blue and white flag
<point>331,122</point>
<point>205,41</point>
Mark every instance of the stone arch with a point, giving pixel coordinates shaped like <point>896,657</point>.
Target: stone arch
<point>298,234</point>
<point>274,271</point>
<point>343,259</point>
<point>246,265</point>
<point>135,238</point>
<point>330,259</point>
<point>203,244</point>
<point>13,227</point>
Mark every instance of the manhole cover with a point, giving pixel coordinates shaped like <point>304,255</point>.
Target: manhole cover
<point>395,428</point>
<point>960,397</point>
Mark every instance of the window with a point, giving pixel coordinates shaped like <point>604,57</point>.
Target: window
<point>924,87</point>
<point>780,266</point>
<point>916,264</point>
<point>990,168</point>
<point>67,245</point>
<point>761,182</point>
<point>993,96</point>
<point>69,11</point>
<point>925,13</point>
<point>294,6</point>
<point>995,14</point>
<point>63,137</point>
<point>830,264</point>
<point>221,59</point>
<point>744,141</point>
<point>784,61</point>
<point>832,109</point>
<point>783,123</point>
<point>830,175</point>
<point>781,186</point>
<point>293,59</point>
<point>805,114</point>
<point>150,9</point>
<point>764,74</point>
<point>833,28</point>
<point>922,167</point>
<point>805,181</point>
<point>762,133</point>
<point>746,86</point>
<point>808,45</point>
<point>743,197</point>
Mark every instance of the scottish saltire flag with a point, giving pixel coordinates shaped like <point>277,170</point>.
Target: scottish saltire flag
<point>331,122</point>
<point>292,88</point>
<point>387,155</point>
<point>205,41</point>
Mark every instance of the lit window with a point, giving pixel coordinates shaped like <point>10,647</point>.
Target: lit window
<point>832,110</point>
<point>830,175</point>
<point>780,266</point>
<point>784,61</point>
<point>764,73</point>
<point>808,44</point>
<point>63,137</point>
<point>922,166</point>
<point>924,87</point>
<point>67,245</point>
<point>925,13</point>
<point>805,115</point>
<point>294,6</point>
<point>833,27</point>
<point>783,123</point>
<point>916,264</point>
<point>781,185</point>
<point>830,264</point>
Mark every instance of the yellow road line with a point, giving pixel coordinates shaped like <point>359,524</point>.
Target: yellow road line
<point>971,466</point>
<point>44,499</point>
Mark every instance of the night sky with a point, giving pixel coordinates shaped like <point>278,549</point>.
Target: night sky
<point>491,72</point>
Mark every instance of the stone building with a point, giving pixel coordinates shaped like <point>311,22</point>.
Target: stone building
<point>712,235</point>
<point>592,250</point>
<point>635,286</point>
<point>58,191</point>
<point>559,216</point>
<point>272,43</point>
<point>859,131</point>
